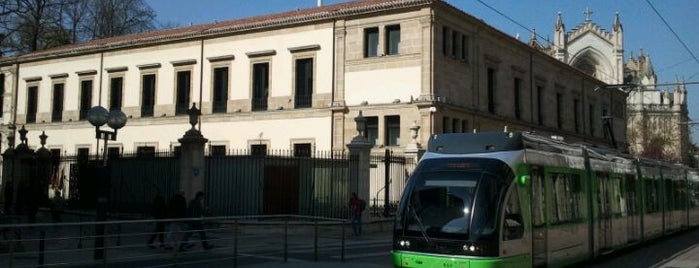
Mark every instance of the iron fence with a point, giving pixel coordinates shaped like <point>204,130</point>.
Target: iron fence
<point>388,176</point>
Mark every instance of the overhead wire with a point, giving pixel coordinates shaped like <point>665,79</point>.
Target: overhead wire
<point>673,31</point>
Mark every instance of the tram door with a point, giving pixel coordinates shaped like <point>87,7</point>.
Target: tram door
<point>539,235</point>
<point>604,204</point>
<point>630,205</point>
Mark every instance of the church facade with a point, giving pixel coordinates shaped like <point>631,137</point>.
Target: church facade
<point>657,116</point>
<point>296,80</point>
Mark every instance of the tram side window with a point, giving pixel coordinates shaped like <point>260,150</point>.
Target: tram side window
<point>694,192</point>
<point>616,199</point>
<point>652,204</point>
<point>513,225</point>
<point>567,198</point>
<point>538,198</point>
<point>630,196</point>
<point>669,191</point>
<point>680,195</point>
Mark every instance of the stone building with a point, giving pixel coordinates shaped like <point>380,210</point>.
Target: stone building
<point>296,80</point>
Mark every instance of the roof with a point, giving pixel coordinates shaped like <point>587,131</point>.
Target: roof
<point>315,14</point>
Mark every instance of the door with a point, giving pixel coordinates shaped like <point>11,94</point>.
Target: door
<point>539,231</point>
<point>281,187</point>
<point>605,211</point>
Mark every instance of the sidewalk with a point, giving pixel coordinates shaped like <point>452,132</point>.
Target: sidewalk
<point>688,258</point>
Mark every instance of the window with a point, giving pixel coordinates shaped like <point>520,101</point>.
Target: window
<point>538,197</point>
<point>184,83</point>
<point>145,151</point>
<point>539,102</point>
<point>491,90</point>
<point>372,130</point>
<point>445,41</point>
<point>652,196</point>
<point>2,92</point>
<point>304,83</point>
<point>559,118</point>
<point>260,86</point>
<point>113,152</point>
<point>606,122</point>
<point>576,115</point>
<point>517,99</point>
<point>393,40</point>
<point>591,119</point>
<point>446,123</point>
<point>513,225</point>
<point>32,101</point>
<point>57,107</point>
<point>302,150</point>
<point>115,94</point>
<point>217,150</point>
<point>455,43</point>
<point>148,95</point>
<point>371,42</point>
<point>258,149</point>
<point>464,47</point>
<point>85,98</point>
<point>83,154</point>
<point>566,199</point>
<point>220,90</point>
<point>392,130</point>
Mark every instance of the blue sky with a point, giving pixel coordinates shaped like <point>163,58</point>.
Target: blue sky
<point>642,27</point>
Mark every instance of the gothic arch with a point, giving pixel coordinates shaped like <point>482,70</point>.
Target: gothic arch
<point>593,62</point>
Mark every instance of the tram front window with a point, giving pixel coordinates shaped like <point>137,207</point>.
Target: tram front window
<point>454,198</point>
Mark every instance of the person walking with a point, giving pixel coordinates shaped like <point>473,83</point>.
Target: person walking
<point>159,213</point>
<point>58,206</point>
<point>356,207</point>
<point>196,210</point>
<point>176,210</point>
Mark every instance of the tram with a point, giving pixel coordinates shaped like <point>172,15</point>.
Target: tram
<point>511,199</point>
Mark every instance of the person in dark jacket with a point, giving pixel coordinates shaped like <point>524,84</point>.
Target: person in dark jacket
<point>196,210</point>
<point>159,213</point>
<point>176,210</point>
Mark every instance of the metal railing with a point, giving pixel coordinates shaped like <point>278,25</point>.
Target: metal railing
<point>234,239</point>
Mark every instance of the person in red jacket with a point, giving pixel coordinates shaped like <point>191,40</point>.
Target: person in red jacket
<point>356,207</point>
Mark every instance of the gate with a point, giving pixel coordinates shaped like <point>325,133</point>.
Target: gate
<point>389,175</point>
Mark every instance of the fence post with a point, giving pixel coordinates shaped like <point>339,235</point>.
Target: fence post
<point>42,235</point>
<point>387,182</point>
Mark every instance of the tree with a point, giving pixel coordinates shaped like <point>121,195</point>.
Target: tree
<point>119,17</point>
<point>31,25</point>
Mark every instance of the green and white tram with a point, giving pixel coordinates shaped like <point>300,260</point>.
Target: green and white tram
<point>521,200</point>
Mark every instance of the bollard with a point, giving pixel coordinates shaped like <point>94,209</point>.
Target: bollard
<point>42,236</point>
<point>315,240</point>
<point>342,248</point>
<point>286,234</point>
<point>235,244</point>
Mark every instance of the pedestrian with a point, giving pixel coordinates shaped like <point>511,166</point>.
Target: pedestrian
<point>177,209</point>
<point>58,206</point>
<point>356,207</point>
<point>159,213</point>
<point>196,210</point>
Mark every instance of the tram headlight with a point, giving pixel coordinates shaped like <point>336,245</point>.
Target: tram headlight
<point>404,243</point>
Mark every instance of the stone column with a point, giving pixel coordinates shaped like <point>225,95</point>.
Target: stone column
<point>359,150</point>
<point>192,162</point>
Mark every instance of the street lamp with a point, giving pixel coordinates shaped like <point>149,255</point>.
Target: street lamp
<point>115,119</point>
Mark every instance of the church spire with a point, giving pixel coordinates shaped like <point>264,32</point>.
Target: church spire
<point>559,22</point>
<point>617,22</point>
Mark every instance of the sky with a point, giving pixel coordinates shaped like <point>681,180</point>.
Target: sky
<point>643,28</point>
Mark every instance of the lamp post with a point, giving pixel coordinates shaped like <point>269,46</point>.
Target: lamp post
<point>116,119</point>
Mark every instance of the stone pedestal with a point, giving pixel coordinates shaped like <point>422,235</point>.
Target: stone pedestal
<point>360,153</point>
<point>192,163</point>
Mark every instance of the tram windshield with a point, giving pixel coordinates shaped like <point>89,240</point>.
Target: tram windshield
<point>454,198</point>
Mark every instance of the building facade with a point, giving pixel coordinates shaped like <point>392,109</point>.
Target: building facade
<point>296,80</point>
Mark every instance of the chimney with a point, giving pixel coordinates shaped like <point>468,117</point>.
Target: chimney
<point>320,3</point>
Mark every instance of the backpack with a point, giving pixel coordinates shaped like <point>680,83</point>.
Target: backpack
<point>362,205</point>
